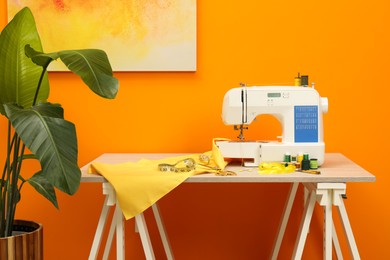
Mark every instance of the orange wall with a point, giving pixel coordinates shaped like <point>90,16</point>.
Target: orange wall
<point>342,45</point>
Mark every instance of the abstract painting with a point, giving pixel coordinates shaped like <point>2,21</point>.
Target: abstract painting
<point>137,35</point>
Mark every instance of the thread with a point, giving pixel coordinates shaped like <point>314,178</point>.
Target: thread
<point>293,158</point>
<point>305,165</point>
<point>313,163</point>
<point>300,157</point>
<point>305,80</point>
<point>287,157</point>
<point>297,81</point>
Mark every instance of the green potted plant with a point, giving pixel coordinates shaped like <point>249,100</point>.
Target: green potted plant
<point>37,128</point>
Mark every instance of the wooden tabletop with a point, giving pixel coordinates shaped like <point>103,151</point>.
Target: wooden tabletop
<point>336,168</point>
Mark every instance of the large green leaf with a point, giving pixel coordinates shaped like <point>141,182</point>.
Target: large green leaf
<point>18,74</point>
<point>40,184</point>
<point>53,140</point>
<point>91,65</point>
<point>50,109</point>
<point>94,68</point>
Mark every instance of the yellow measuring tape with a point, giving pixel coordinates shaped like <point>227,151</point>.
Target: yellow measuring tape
<point>189,164</point>
<point>185,165</point>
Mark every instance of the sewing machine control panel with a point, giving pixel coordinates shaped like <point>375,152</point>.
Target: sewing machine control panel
<point>278,94</point>
<point>272,96</point>
<point>306,124</point>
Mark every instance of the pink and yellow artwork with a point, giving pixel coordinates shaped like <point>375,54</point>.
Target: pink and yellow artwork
<point>137,35</point>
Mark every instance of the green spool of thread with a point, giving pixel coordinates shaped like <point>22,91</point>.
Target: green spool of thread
<point>313,163</point>
<point>287,157</point>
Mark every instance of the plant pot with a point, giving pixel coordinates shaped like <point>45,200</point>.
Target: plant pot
<point>26,243</point>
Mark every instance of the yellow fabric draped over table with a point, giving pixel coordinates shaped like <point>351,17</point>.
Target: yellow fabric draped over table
<point>138,185</point>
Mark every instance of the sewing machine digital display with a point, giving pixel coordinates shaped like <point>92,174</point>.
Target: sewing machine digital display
<point>274,95</point>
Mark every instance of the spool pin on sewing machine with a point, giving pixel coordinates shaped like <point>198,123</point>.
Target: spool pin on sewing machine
<point>298,109</point>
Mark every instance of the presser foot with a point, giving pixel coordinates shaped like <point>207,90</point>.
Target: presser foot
<point>241,128</point>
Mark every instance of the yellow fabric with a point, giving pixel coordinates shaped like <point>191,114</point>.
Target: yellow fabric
<point>138,185</point>
<point>276,168</point>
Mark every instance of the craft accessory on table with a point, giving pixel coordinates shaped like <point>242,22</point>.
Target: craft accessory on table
<point>184,165</point>
<point>300,157</point>
<point>287,157</point>
<point>276,168</point>
<point>204,158</point>
<point>189,164</point>
<point>311,171</point>
<point>313,163</point>
<point>225,173</point>
<point>305,165</point>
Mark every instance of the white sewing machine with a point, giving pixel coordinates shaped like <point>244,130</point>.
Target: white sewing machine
<point>299,110</point>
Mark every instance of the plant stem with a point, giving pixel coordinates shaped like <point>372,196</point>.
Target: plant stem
<point>13,189</point>
<point>10,190</point>
<point>5,184</point>
<point>44,68</point>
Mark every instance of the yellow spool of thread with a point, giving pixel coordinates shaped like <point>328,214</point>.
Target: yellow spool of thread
<point>297,81</point>
<point>300,157</point>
